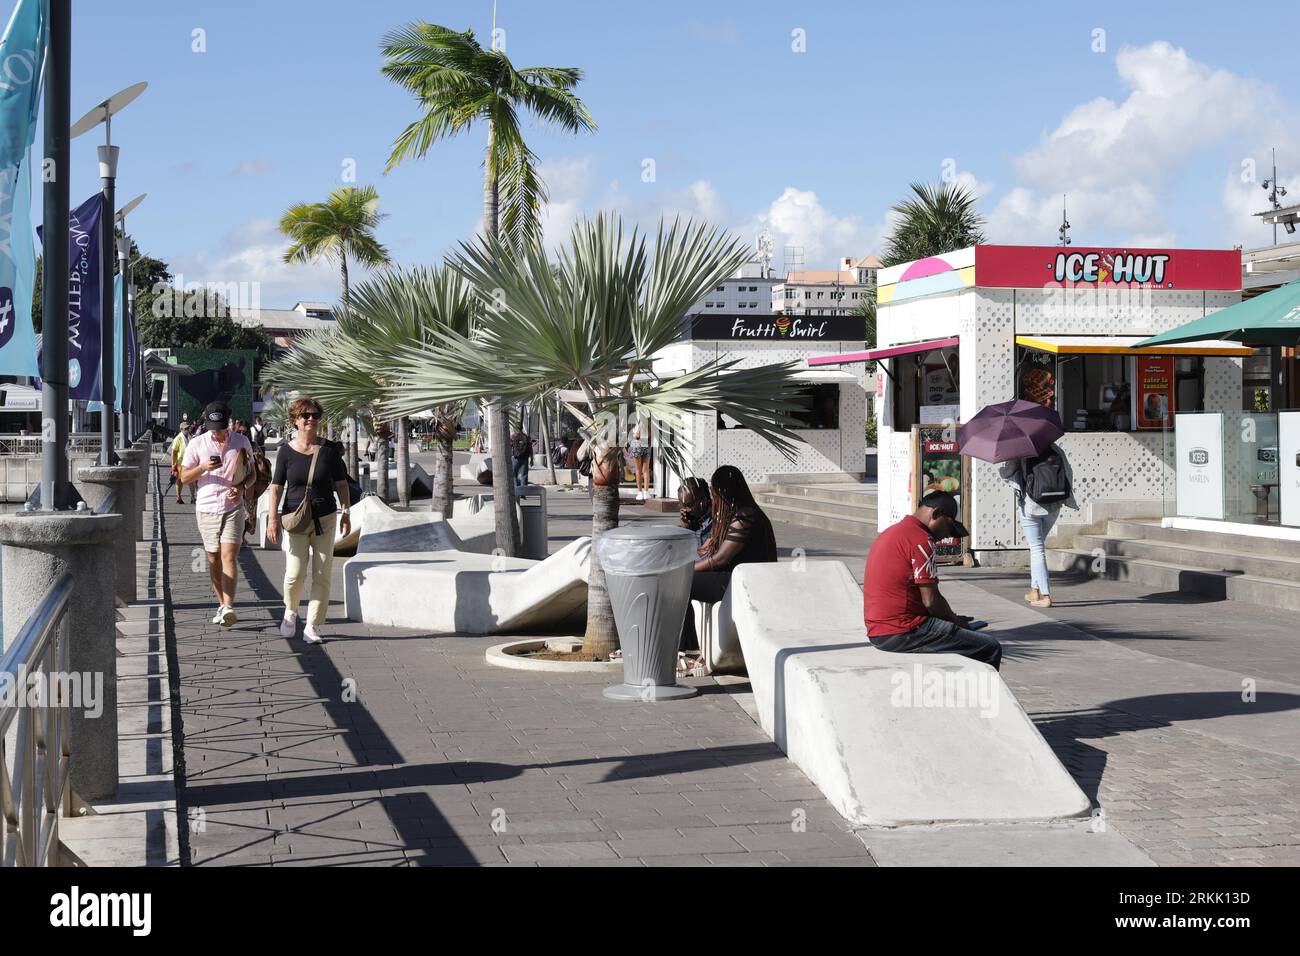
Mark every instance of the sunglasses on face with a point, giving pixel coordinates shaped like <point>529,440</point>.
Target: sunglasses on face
<point>310,416</point>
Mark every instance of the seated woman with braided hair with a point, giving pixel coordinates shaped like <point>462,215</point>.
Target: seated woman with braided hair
<point>741,534</point>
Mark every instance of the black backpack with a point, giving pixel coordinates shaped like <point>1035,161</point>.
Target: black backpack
<point>1045,480</point>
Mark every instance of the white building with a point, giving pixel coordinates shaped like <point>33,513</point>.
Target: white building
<point>827,291</point>
<point>738,321</point>
<point>284,325</point>
<point>987,324</point>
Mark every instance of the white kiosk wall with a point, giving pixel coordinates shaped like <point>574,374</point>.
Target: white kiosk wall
<point>1198,464</point>
<point>1288,477</point>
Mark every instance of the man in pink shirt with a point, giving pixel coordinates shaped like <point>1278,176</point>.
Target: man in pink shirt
<point>212,459</point>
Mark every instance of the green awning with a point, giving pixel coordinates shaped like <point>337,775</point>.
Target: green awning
<point>1269,319</point>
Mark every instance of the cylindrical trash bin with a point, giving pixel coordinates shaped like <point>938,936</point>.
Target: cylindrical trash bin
<point>648,570</point>
<point>532,522</point>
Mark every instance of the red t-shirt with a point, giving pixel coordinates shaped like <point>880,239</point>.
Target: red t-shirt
<point>901,558</point>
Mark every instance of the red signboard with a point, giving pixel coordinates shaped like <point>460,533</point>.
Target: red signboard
<point>1155,391</point>
<point>1032,267</point>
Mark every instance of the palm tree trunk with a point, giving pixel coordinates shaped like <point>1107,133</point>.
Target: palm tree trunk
<point>343,264</point>
<point>503,481</point>
<point>601,638</point>
<point>546,443</point>
<point>403,463</point>
<point>352,446</point>
<point>381,466</point>
<point>442,478</point>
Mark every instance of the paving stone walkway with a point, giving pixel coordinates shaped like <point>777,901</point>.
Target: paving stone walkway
<point>385,748</point>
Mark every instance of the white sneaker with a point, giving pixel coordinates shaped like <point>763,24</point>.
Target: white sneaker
<point>228,617</point>
<point>221,609</point>
<point>289,624</point>
<point>310,635</point>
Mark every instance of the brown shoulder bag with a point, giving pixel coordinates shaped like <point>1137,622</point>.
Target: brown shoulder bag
<point>300,520</point>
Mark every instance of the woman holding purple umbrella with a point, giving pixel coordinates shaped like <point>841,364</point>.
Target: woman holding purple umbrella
<point>1020,435</point>
<point>1042,485</point>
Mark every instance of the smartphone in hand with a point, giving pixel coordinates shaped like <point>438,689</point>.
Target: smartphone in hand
<point>976,625</point>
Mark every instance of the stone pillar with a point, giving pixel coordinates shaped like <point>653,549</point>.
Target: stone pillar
<point>132,458</point>
<point>95,485</point>
<point>39,547</point>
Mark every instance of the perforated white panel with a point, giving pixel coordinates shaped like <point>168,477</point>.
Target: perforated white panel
<point>1104,311</point>
<point>1222,384</point>
<point>990,367</point>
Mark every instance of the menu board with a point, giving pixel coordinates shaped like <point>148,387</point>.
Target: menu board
<point>1038,378</point>
<point>938,466</point>
<point>1155,391</point>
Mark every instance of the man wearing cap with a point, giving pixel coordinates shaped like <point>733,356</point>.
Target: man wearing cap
<point>211,459</point>
<point>902,606</point>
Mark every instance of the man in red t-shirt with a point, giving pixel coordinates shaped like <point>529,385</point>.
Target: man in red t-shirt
<point>901,603</point>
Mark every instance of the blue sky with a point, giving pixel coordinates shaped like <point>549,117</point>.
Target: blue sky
<point>1148,134</point>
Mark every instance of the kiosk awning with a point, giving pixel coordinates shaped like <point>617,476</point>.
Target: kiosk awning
<point>874,355</point>
<point>1122,345</point>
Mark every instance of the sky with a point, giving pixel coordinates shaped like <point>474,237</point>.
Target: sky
<point>805,119</point>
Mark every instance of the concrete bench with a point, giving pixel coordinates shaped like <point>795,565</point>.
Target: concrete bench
<point>890,739</point>
<point>455,592</point>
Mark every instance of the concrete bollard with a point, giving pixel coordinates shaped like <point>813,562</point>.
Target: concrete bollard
<point>39,546</point>
<point>95,485</point>
<point>133,458</point>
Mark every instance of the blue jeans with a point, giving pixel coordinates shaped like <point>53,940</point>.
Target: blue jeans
<point>1036,529</point>
<point>521,471</point>
<point>937,636</point>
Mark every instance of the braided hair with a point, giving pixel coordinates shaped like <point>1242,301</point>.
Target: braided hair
<point>730,494</point>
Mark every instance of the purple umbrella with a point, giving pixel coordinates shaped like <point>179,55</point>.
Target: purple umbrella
<point>1009,430</point>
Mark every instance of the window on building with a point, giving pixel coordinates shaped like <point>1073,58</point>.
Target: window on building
<point>807,294</point>
<point>821,409</point>
<point>1097,392</point>
<point>924,388</point>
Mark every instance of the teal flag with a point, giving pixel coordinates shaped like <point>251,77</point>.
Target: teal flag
<point>22,53</point>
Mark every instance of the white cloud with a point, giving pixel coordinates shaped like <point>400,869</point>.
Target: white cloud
<point>798,218</point>
<point>1119,161</point>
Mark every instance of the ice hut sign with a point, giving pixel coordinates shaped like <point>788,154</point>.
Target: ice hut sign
<point>1029,267</point>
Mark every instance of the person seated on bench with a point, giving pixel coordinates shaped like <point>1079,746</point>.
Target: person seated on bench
<point>741,534</point>
<point>902,606</point>
<point>696,508</point>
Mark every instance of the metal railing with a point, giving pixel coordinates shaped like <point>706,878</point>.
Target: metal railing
<point>36,790</point>
<point>79,444</point>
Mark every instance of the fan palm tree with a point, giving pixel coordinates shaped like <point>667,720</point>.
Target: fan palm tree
<point>340,227</point>
<point>349,366</point>
<point>588,327</point>
<point>935,220</point>
<point>458,84</point>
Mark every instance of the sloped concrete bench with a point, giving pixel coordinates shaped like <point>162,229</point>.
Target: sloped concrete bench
<point>890,739</point>
<point>456,592</point>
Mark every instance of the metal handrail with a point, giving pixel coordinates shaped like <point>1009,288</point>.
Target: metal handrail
<point>37,792</point>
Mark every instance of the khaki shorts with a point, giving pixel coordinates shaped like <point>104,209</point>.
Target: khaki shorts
<point>217,529</point>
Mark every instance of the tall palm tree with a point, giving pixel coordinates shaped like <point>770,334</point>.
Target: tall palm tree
<point>588,326</point>
<point>340,227</point>
<point>335,230</point>
<point>458,84</point>
<point>935,220</point>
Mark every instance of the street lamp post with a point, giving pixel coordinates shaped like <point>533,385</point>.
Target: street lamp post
<point>55,488</point>
<point>103,113</point>
<point>124,268</point>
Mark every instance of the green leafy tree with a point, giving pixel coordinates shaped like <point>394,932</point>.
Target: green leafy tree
<point>934,220</point>
<point>335,230</point>
<point>588,325</point>
<point>459,85</point>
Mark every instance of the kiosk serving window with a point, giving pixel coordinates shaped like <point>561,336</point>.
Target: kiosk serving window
<point>1104,389</point>
<point>925,388</point>
<point>821,408</point>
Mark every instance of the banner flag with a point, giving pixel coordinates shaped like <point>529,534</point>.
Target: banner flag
<point>22,53</point>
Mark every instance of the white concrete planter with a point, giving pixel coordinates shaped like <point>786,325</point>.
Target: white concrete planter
<point>508,655</point>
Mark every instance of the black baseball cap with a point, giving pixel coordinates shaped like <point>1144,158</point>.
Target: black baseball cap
<point>943,503</point>
<point>216,416</point>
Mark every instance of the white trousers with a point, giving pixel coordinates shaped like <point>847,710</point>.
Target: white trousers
<point>316,551</point>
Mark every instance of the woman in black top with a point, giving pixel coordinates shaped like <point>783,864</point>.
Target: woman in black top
<point>315,546</point>
<point>741,534</point>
